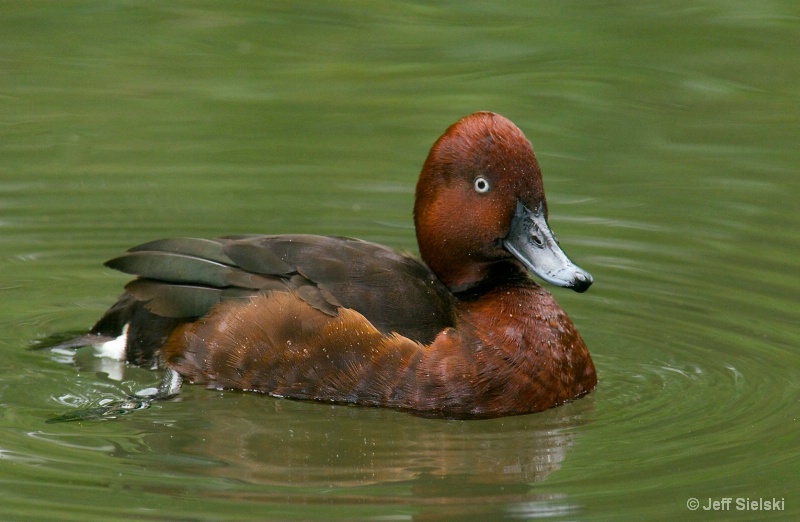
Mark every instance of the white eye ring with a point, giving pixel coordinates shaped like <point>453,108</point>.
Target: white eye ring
<point>481,185</point>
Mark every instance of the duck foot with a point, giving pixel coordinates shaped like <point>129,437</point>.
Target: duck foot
<point>111,409</point>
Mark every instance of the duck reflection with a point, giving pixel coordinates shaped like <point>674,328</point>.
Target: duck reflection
<point>289,443</point>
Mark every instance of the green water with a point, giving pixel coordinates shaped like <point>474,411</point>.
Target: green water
<point>668,135</point>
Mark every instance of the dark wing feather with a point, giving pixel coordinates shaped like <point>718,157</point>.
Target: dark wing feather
<point>173,268</point>
<point>209,249</point>
<point>180,301</point>
<point>394,292</point>
<point>184,278</point>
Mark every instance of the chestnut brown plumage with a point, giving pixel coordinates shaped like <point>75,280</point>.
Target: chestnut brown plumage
<point>466,333</point>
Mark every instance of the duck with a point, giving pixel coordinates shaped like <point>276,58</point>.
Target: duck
<point>462,332</point>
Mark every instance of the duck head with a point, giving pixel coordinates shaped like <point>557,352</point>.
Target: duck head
<point>480,200</point>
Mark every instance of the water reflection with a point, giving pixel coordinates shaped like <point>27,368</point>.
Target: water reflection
<point>237,447</point>
<point>262,440</point>
<point>280,450</point>
<point>281,442</point>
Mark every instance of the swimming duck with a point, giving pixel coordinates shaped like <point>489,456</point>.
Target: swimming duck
<point>463,333</point>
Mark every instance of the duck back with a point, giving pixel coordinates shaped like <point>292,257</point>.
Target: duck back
<point>182,279</point>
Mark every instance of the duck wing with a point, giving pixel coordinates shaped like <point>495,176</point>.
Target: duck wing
<point>183,278</point>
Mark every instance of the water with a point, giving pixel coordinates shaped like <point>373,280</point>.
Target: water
<point>668,138</point>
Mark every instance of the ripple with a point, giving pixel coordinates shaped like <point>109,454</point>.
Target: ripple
<point>684,395</point>
<point>79,441</point>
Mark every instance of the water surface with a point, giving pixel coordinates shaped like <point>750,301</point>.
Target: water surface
<point>667,134</point>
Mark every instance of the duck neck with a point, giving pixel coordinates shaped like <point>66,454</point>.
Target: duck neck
<point>461,278</point>
<point>493,275</point>
<point>457,264</point>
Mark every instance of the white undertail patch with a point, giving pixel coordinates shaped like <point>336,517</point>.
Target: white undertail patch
<point>114,349</point>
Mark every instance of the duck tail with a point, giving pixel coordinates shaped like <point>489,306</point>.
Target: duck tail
<point>128,331</point>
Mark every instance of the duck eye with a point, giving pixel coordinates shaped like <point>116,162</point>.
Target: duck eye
<point>481,185</point>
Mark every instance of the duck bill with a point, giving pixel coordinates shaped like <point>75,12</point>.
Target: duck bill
<point>531,241</point>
